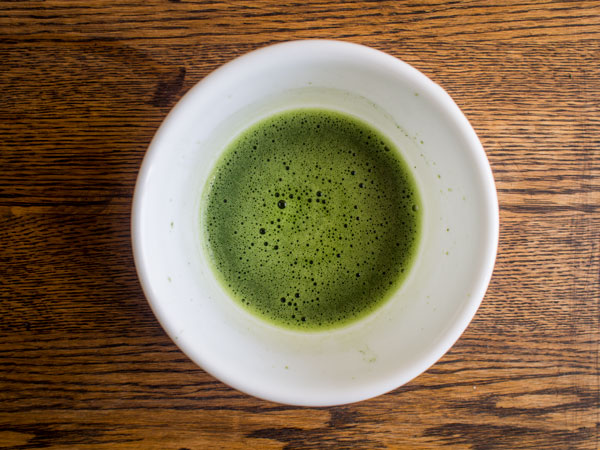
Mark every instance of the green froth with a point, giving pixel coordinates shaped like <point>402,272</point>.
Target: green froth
<point>311,219</point>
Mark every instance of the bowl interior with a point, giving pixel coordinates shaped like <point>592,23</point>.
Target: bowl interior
<point>432,307</point>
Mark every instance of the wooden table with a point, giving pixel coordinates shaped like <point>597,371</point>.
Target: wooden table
<point>83,362</point>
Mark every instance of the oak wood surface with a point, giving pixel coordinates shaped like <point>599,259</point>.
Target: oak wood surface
<point>83,362</point>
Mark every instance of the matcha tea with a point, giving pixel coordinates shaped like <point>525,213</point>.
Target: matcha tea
<point>311,219</point>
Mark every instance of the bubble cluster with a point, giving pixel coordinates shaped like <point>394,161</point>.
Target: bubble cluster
<point>311,221</point>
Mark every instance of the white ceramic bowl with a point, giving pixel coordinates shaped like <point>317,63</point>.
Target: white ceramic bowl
<point>407,334</point>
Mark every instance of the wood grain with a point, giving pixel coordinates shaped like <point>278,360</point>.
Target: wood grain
<point>84,363</point>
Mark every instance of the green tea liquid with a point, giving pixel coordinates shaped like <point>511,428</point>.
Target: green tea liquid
<point>311,219</point>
